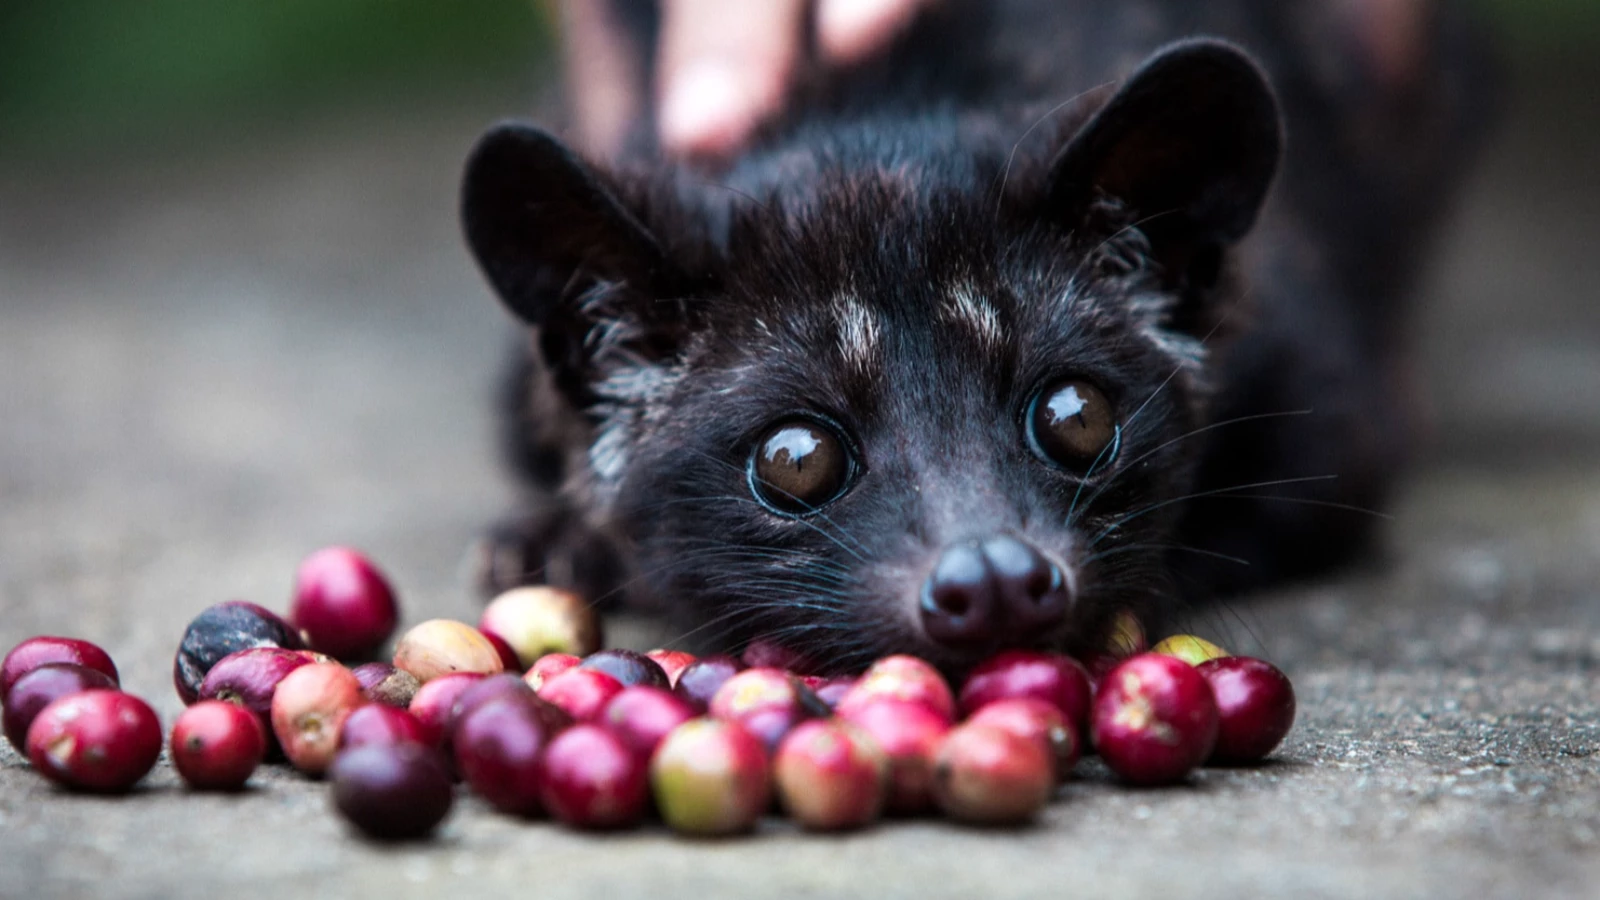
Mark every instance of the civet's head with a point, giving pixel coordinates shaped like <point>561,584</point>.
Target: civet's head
<point>885,398</point>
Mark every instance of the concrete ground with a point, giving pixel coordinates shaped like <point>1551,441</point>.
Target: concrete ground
<point>210,366</point>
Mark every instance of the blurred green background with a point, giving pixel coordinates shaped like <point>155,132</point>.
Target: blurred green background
<point>79,75</point>
<point>86,76</point>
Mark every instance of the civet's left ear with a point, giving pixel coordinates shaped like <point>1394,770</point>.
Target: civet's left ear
<point>565,254</point>
<point>1189,143</point>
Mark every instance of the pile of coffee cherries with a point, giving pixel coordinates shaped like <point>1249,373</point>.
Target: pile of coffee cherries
<point>538,720</point>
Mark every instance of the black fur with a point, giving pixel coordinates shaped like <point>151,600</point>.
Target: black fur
<point>987,155</point>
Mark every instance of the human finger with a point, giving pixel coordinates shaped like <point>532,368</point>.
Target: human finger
<point>725,66</point>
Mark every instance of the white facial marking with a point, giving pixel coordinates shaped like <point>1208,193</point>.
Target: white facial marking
<point>858,333</point>
<point>630,406</point>
<point>1151,310</point>
<point>965,308</point>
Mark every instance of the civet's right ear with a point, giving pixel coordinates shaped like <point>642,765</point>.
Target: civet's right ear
<point>544,227</point>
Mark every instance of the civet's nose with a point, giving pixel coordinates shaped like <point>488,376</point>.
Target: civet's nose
<point>995,590</point>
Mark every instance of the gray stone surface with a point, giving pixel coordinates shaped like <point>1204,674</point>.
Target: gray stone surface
<point>210,366</point>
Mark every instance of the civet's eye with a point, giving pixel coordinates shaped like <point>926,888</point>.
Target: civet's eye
<point>1072,424</point>
<point>798,466</point>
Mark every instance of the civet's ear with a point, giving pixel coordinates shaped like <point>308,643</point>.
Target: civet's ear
<point>566,255</point>
<point>544,227</point>
<point>1189,144</point>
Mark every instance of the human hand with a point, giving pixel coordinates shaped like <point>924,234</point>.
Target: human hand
<point>724,67</point>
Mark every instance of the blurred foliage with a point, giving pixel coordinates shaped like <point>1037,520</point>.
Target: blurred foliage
<point>164,72</point>
<point>81,74</point>
<point>1535,29</point>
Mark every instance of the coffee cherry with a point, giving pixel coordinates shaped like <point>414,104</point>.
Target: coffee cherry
<point>831,776</point>
<point>628,667</point>
<point>582,693</point>
<point>38,651</point>
<point>216,745</point>
<point>1255,704</point>
<point>1154,719</point>
<point>1056,679</point>
<point>343,604</point>
<point>590,779</point>
<point>988,775</point>
<point>904,678</point>
<point>1190,649</point>
<point>441,647</point>
<point>671,662</point>
<point>249,678</point>
<point>435,702</point>
<point>490,687</point>
<point>95,740</point>
<point>508,656</point>
<point>309,709</point>
<point>499,748</point>
<point>1126,638</point>
<point>767,702</point>
<point>549,666</point>
<point>710,777</point>
<point>379,724</point>
<point>833,690</point>
<point>382,683</point>
<point>765,654</point>
<point>642,716</point>
<point>700,680</point>
<point>39,688</point>
<point>1035,720</point>
<point>221,630</point>
<point>392,791</point>
<point>538,620</point>
<point>910,735</point>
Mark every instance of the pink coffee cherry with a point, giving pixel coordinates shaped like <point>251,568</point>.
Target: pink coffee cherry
<point>591,779</point>
<point>711,777</point>
<point>1255,704</point>
<point>96,740</point>
<point>988,775</point>
<point>831,776</point>
<point>217,745</point>
<point>343,604</point>
<point>1155,719</point>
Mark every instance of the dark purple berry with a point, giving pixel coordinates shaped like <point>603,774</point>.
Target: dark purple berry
<point>37,651</point>
<point>41,687</point>
<point>628,667</point>
<point>222,630</point>
<point>392,791</point>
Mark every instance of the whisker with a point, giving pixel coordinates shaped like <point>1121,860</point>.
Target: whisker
<point>789,561</point>
<point>1312,501</point>
<point>715,620</point>
<point>1216,610</point>
<point>757,551</point>
<point>781,222</point>
<point>1227,314</point>
<point>1176,369</point>
<point>732,499</point>
<point>709,553</point>
<point>1128,517</point>
<point>1005,174</point>
<point>1108,448</point>
<point>1237,420</point>
<point>1183,548</point>
<point>817,513</point>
